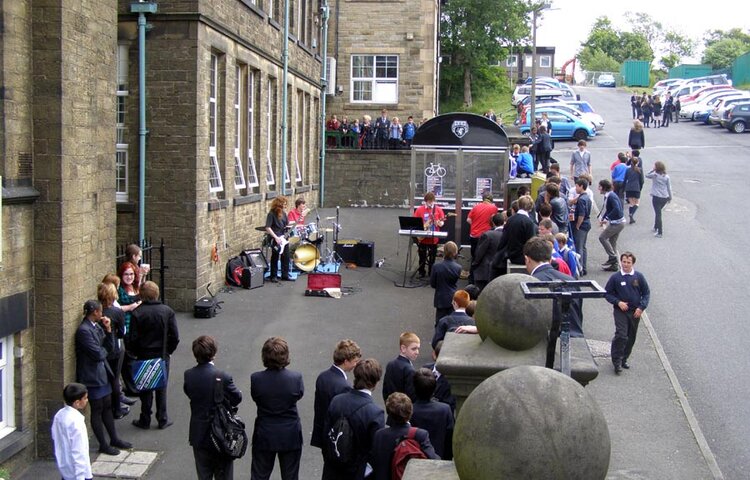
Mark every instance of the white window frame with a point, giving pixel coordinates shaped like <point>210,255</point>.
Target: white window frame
<point>512,61</point>
<point>239,174</point>
<point>121,145</point>
<point>7,422</point>
<point>252,172</point>
<point>300,138</point>
<point>379,85</point>
<point>214,176</point>
<point>270,175</point>
<point>528,60</point>
<point>545,61</point>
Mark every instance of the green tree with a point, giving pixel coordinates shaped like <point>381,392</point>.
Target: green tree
<point>722,48</point>
<point>598,61</point>
<point>644,25</point>
<point>633,46</point>
<point>473,33</point>
<point>605,44</point>
<point>675,46</point>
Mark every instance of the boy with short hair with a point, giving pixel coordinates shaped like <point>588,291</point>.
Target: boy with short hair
<point>69,435</point>
<point>399,372</point>
<point>434,416</point>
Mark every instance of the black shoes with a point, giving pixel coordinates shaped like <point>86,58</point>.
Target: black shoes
<point>610,261</point>
<point>618,369</point>
<point>610,268</point>
<point>143,426</point>
<point>625,364</point>
<point>166,424</point>
<point>122,413</point>
<point>127,400</point>
<point>121,444</point>
<point>632,220</point>
<point>273,280</point>
<point>109,450</point>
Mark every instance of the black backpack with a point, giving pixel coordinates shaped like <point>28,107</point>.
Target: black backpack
<point>234,271</point>
<point>340,443</point>
<point>227,433</point>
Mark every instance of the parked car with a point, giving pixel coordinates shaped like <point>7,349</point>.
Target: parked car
<point>701,92</point>
<point>720,79</point>
<point>552,81</point>
<point>523,91</point>
<point>682,89</point>
<point>564,125</point>
<point>606,80</point>
<point>704,103</point>
<point>595,119</point>
<point>662,85</point>
<point>724,106</point>
<point>544,96</point>
<point>568,93</point>
<point>737,118</point>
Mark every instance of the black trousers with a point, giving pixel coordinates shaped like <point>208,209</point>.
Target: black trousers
<point>116,366</point>
<point>659,204</point>
<point>626,328</point>
<point>263,460</point>
<point>147,400</point>
<point>427,254</point>
<point>101,418</point>
<point>275,261</point>
<point>210,465</point>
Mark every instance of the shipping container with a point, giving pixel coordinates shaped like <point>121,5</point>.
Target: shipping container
<point>690,71</point>
<point>635,73</point>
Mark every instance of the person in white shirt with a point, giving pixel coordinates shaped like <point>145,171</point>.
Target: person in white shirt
<point>70,437</point>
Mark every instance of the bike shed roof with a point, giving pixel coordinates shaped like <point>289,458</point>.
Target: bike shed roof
<point>461,130</point>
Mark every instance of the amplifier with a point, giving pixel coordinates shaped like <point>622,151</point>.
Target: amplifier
<point>252,277</point>
<point>355,251</point>
<point>254,257</point>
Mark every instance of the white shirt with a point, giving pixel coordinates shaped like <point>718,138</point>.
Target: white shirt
<point>342,371</point>
<point>71,441</point>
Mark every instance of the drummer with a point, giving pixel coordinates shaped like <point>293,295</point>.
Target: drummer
<point>297,215</point>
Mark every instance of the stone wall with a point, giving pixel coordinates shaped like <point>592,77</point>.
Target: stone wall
<point>406,28</point>
<point>367,178</point>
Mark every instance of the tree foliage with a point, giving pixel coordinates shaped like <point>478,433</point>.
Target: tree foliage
<point>722,48</point>
<point>669,45</point>
<point>473,33</point>
<point>608,46</point>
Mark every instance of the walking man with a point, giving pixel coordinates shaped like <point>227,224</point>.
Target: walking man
<point>613,217</point>
<point>627,290</point>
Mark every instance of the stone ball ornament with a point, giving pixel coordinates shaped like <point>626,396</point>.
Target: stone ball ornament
<point>533,423</point>
<point>509,319</point>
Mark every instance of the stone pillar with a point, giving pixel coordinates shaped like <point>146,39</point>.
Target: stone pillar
<point>74,79</point>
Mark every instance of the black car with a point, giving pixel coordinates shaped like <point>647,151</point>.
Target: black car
<point>737,119</point>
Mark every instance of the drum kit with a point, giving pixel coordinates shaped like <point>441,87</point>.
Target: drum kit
<point>304,242</point>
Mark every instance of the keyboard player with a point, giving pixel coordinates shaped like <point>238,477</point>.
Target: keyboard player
<point>433,219</point>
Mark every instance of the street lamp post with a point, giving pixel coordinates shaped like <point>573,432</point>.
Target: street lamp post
<point>535,9</point>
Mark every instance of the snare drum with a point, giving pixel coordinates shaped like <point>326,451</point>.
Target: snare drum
<point>297,233</point>
<point>311,232</point>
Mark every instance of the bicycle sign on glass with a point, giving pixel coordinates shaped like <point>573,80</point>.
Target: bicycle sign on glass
<point>435,170</point>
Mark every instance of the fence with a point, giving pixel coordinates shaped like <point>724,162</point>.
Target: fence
<point>147,249</point>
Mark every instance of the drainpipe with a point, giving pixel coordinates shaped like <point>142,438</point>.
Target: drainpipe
<point>142,8</point>
<point>324,14</point>
<point>285,100</point>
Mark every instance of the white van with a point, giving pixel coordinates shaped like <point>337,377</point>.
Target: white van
<point>522,91</point>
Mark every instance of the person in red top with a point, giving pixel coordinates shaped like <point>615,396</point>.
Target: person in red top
<point>480,221</point>
<point>432,218</point>
<point>298,214</point>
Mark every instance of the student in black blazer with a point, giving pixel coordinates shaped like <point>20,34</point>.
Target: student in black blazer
<point>399,410</point>
<point>459,317</point>
<point>330,383</point>
<point>199,385</point>
<point>517,230</point>
<point>444,278</point>
<point>364,416</point>
<point>434,416</point>
<point>278,430</point>
<point>399,371</point>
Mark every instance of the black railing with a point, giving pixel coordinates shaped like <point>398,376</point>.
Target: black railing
<point>147,249</point>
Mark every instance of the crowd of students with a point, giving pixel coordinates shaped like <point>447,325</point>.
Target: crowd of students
<point>383,133</point>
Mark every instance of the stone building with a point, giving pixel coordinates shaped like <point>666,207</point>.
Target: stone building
<point>70,163</point>
<point>385,55</point>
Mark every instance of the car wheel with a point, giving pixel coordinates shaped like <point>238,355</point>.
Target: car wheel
<point>738,127</point>
<point>581,134</point>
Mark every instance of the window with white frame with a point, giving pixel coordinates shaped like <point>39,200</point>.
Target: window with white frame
<point>290,131</point>
<point>214,176</point>
<point>121,143</point>
<point>239,175</point>
<point>7,410</point>
<point>374,79</point>
<point>511,61</point>
<point>252,173</point>
<point>271,132</point>
<point>528,60</point>
<point>545,61</point>
<point>300,143</point>
<point>302,26</point>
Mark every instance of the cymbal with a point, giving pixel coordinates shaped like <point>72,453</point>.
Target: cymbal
<point>325,230</point>
<point>261,229</point>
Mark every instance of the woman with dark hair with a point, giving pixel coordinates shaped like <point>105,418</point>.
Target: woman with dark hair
<point>107,295</point>
<point>128,291</point>
<point>278,430</point>
<point>276,223</point>
<point>634,184</point>
<point>661,194</point>
<point>134,255</point>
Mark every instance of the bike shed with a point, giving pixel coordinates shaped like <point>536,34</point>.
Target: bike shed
<point>458,157</point>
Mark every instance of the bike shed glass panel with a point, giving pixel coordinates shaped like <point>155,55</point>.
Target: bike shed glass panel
<point>458,177</point>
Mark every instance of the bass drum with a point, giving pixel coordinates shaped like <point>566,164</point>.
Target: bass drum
<point>306,257</point>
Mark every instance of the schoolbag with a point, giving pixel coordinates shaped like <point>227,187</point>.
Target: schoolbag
<point>234,271</point>
<point>406,449</point>
<point>227,432</point>
<point>340,443</point>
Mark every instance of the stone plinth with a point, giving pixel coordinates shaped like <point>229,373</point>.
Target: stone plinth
<point>430,470</point>
<point>466,361</point>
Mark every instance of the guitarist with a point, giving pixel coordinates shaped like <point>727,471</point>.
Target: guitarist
<point>432,218</point>
<point>276,223</point>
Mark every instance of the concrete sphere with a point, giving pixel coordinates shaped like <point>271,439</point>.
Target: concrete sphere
<point>533,423</point>
<point>509,319</point>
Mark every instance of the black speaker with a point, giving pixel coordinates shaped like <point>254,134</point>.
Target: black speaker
<point>365,254</point>
<point>347,250</point>
<point>252,277</point>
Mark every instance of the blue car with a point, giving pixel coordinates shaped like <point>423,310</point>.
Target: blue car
<point>564,125</point>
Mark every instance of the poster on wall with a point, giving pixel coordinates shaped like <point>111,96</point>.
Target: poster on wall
<point>435,185</point>
<point>484,185</point>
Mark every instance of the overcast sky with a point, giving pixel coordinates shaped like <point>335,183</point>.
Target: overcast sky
<point>570,21</point>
